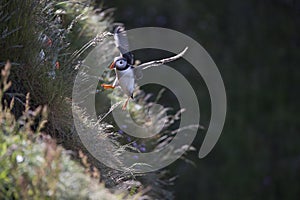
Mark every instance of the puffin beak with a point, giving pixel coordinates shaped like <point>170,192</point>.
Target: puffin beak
<point>112,65</point>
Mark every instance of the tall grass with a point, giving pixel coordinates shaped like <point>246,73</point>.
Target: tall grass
<point>46,42</point>
<point>42,38</point>
<point>33,166</point>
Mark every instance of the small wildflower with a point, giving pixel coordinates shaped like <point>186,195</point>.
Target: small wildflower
<point>142,149</point>
<point>49,42</point>
<point>19,158</point>
<point>57,65</point>
<point>134,144</point>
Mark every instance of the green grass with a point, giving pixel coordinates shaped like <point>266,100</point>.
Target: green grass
<point>33,166</point>
<point>36,37</point>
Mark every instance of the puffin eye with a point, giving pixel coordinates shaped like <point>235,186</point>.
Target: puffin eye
<point>121,63</point>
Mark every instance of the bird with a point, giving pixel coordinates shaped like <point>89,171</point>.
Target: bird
<point>124,65</point>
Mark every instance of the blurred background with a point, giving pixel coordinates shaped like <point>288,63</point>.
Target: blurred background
<point>255,45</point>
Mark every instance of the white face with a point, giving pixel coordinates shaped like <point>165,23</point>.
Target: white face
<point>121,63</point>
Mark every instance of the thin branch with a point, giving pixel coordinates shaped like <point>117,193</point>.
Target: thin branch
<point>162,61</point>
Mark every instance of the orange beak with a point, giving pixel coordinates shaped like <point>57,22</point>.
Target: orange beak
<point>112,65</point>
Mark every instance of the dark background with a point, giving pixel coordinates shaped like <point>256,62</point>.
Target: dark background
<point>255,45</point>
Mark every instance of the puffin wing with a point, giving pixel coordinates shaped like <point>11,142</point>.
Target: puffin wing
<point>122,44</point>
